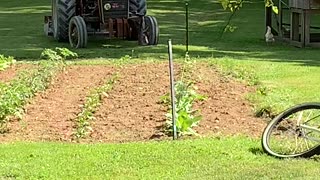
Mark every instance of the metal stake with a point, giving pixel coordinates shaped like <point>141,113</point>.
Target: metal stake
<point>187,27</point>
<point>173,99</point>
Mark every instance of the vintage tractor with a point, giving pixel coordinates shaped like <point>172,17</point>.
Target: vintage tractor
<point>74,20</point>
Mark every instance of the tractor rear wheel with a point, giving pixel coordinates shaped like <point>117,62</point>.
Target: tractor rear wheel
<point>138,7</point>
<point>78,36</point>
<point>62,12</point>
<point>150,31</point>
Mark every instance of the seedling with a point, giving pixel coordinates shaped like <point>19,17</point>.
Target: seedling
<point>15,95</point>
<point>5,62</point>
<point>91,104</point>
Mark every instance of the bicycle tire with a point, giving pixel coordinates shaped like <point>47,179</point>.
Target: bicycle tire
<point>274,140</point>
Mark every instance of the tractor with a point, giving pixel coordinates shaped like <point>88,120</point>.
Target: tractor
<point>75,20</point>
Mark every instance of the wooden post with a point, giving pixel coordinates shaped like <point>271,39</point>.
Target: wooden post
<point>294,30</point>
<point>268,13</point>
<point>303,25</point>
<point>307,28</point>
<point>280,20</point>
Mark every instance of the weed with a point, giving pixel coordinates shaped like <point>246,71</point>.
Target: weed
<point>58,54</point>
<point>262,90</point>
<point>50,54</point>
<point>125,58</point>
<point>5,62</point>
<point>242,73</point>
<point>65,53</point>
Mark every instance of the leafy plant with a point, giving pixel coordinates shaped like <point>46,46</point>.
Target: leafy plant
<point>92,102</point>
<point>186,117</point>
<point>58,54</point>
<point>65,53</point>
<point>5,62</point>
<point>14,96</point>
<point>126,58</point>
<point>185,97</point>
<point>232,5</point>
<point>50,54</point>
<point>269,3</point>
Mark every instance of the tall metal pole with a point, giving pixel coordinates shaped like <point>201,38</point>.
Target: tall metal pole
<point>187,27</point>
<point>173,99</point>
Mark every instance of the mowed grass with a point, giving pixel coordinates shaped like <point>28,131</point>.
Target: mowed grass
<point>280,84</point>
<point>286,76</point>
<point>213,158</point>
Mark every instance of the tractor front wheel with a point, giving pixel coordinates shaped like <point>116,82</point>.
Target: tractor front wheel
<point>78,36</point>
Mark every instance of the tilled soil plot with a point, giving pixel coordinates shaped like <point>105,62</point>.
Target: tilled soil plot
<point>50,115</point>
<point>131,110</point>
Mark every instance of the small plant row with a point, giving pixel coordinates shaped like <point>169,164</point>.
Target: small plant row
<point>6,62</point>
<point>92,103</point>
<point>185,97</point>
<point>15,95</point>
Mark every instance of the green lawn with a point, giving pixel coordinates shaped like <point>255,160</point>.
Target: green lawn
<point>285,76</point>
<point>215,158</point>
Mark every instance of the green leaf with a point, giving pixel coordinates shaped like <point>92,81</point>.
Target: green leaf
<point>275,9</point>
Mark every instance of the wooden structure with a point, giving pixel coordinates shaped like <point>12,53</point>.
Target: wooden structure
<point>296,30</point>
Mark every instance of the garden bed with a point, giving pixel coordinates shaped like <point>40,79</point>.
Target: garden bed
<point>13,71</point>
<point>131,110</point>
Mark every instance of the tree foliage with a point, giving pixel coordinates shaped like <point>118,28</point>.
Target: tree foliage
<point>234,5</point>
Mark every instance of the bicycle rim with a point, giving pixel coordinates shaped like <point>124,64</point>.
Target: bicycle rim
<point>294,133</point>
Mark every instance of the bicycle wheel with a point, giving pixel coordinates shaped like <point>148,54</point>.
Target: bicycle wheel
<point>294,133</point>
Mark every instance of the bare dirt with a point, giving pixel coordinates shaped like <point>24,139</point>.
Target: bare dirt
<point>131,110</point>
<point>13,71</point>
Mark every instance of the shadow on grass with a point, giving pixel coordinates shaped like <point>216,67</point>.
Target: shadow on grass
<point>256,151</point>
<point>21,34</point>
